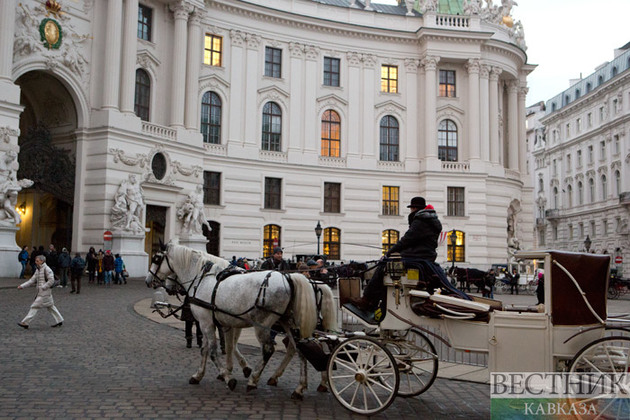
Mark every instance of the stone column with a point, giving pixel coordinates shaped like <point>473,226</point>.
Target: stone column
<point>293,130</point>
<point>354,101</point>
<point>411,127</point>
<point>513,125</point>
<point>473,109</point>
<point>7,29</point>
<point>311,124</point>
<point>252,129</point>
<point>195,51</point>
<point>111,63</point>
<point>522,131</point>
<point>484,97</point>
<point>371,78</point>
<point>237,100</point>
<point>178,81</point>
<point>129,56</point>
<point>430,100</point>
<point>494,114</point>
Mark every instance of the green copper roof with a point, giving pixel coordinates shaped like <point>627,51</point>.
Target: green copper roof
<point>450,7</point>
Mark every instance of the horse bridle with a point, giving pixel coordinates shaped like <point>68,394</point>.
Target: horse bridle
<point>158,258</point>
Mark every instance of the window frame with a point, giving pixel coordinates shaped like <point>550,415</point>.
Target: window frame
<point>271,131</point>
<point>389,237</point>
<point>460,247</point>
<point>212,107</point>
<point>273,62</point>
<point>390,196</point>
<point>272,235</point>
<point>212,188</point>
<point>331,134</point>
<point>142,96</point>
<point>212,52</point>
<point>389,78</point>
<point>273,193</point>
<point>332,243</point>
<point>456,201</point>
<point>332,75</point>
<point>447,150</point>
<point>447,83</point>
<point>389,139</point>
<point>332,197</point>
<point>145,23</point>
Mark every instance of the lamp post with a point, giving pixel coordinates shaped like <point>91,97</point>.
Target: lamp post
<point>453,239</point>
<point>318,233</point>
<point>587,243</point>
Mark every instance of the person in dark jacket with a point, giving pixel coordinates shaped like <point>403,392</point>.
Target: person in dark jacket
<point>92,264</point>
<point>418,243</point>
<point>275,262</point>
<point>51,258</point>
<point>23,259</point>
<point>108,267</point>
<point>76,271</point>
<point>64,266</point>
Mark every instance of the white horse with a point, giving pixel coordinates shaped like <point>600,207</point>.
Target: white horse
<point>257,299</point>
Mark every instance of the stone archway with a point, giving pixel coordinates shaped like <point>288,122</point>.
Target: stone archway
<point>47,157</point>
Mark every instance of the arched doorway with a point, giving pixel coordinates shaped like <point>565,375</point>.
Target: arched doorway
<point>47,157</point>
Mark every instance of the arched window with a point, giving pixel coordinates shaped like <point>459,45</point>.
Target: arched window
<point>577,93</point>
<point>211,118</point>
<point>617,183</point>
<point>591,190</point>
<point>569,195</point>
<point>600,80</point>
<point>142,99</point>
<point>271,239</point>
<point>389,238</point>
<point>447,141</point>
<point>604,188</point>
<point>588,87</point>
<point>331,134</point>
<point>332,242</point>
<point>456,248</point>
<point>541,185</point>
<point>271,127</point>
<point>389,139</point>
<point>580,193</point>
<point>555,197</point>
<point>614,71</point>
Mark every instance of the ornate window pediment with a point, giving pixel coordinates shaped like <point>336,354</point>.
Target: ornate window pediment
<point>390,107</point>
<point>147,60</point>
<point>213,82</point>
<point>449,110</point>
<point>273,93</point>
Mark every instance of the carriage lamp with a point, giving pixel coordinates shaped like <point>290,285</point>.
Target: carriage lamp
<point>395,266</point>
<point>22,208</point>
<point>587,243</point>
<point>318,233</point>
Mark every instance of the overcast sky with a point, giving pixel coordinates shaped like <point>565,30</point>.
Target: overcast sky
<point>566,38</point>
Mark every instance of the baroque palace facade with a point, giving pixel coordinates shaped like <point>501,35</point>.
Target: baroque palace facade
<point>581,160</point>
<point>288,112</point>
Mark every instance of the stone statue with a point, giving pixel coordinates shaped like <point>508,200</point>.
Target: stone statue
<point>191,212</point>
<point>471,7</point>
<point>9,188</point>
<point>128,206</point>
<point>428,6</point>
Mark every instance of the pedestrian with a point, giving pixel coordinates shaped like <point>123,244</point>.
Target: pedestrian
<point>64,266</point>
<point>189,320</point>
<point>34,253</point>
<point>490,280</point>
<point>51,256</point>
<point>119,268</point>
<point>99,264</point>
<point>514,278</point>
<point>23,259</point>
<point>108,267</point>
<point>76,271</point>
<point>540,289</point>
<point>43,279</point>
<point>275,262</point>
<point>92,264</point>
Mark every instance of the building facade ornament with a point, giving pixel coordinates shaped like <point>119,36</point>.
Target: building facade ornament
<point>473,65</point>
<point>9,188</point>
<point>194,170</point>
<point>296,50</point>
<point>411,65</point>
<point>312,52</point>
<point>430,62</point>
<point>354,58</point>
<point>128,209</point>
<point>190,212</point>
<point>253,41</point>
<point>237,38</point>
<point>140,159</point>
<point>7,132</point>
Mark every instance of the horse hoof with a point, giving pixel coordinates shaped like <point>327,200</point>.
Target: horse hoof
<point>247,371</point>
<point>232,384</point>
<point>322,388</point>
<point>251,387</point>
<point>272,382</point>
<point>220,378</point>
<point>296,396</point>
<point>193,381</point>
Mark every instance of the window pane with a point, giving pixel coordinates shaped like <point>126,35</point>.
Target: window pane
<point>331,128</point>
<point>212,188</point>
<point>142,95</point>
<point>332,197</point>
<point>213,49</point>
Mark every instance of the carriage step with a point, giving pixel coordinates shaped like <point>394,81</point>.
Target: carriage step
<point>365,316</point>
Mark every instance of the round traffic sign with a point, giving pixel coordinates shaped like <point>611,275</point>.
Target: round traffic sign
<point>618,259</point>
<point>108,235</point>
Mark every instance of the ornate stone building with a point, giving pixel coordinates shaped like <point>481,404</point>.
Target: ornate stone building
<point>582,164</point>
<point>288,112</point>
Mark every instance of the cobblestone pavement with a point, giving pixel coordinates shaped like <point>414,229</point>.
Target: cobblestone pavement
<point>107,362</point>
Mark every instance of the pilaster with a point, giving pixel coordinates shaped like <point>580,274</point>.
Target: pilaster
<point>513,152</point>
<point>473,68</point>
<point>129,53</point>
<point>113,44</point>
<point>180,11</point>
<point>494,114</point>
<point>193,62</point>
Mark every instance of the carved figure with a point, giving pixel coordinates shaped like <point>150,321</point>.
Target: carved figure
<point>191,212</point>
<point>9,188</point>
<point>471,7</point>
<point>128,206</point>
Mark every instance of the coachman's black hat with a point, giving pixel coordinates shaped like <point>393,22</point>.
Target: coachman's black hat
<point>418,202</point>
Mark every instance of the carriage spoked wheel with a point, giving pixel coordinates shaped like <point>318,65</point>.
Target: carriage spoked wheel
<point>363,375</point>
<point>417,361</point>
<point>609,356</point>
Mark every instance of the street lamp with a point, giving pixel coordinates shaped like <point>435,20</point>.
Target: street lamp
<point>453,238</point>
<point>587,243</point>
<point>318,233</point>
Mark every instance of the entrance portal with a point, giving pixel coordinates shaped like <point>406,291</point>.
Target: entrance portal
<point>156,222</point>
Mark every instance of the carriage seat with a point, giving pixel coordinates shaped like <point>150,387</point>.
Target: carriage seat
<point>442,306</point>
<point>366,317</point>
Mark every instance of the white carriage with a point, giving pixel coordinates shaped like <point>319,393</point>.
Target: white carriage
<point>570,332</point>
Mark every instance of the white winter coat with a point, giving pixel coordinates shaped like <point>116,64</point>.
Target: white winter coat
<point>43,279</point>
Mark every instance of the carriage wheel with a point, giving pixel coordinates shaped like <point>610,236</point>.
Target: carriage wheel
<point>363,375</point>
<point>417,362</point>
<point>608,355</point>
<point>531,287</point>
<point>613,292</point>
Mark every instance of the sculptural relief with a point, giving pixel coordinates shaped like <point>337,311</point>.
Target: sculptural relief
<point>190,212</point>
<point>128,208</point>
<point>9,188</point>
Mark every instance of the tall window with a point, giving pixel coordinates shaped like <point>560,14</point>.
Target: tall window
<point>456,204</point>
<point>569,195</point>
<point>142,98</point>
<point>213,50</point>
<point>617,183</point>
<point>591,190</point>
<point>389,79</point>
<point>457,250</point>
<point>447,83</point>
<point>555,197</point>
<point>211,118</point>
<point>145,21</point>
<point>447,141</point>
<point>390,201</point>
<point>332,242</point>
<point>389,238</point>
<point>271,239</point>
<point>271,127</point>
<point>389,139</point>
<point>579,158</point>
<point>604,187</point>
<point>590,154</point>
<point>602,150</point>
<point>273,62</point>
<point>331,71</point>
<point>332,197</point>
<point>580,193</point>
<point>273,193</point>
<point>331,134</point>
<point>212,188</point>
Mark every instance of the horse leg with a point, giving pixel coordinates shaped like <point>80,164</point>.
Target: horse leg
<point>273,381</point>
<point>209,348</point>
<point>239,356</point>
<point>267,346</point>
<point>298,393</point>
<point>323,385</point>
<point>229,354</point>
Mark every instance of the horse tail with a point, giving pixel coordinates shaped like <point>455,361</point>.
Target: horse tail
<point>304,306</point>
<point>328,310</point>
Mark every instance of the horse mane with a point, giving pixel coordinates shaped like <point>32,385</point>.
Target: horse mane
<point>304,306</point>
<point>193,261</point>
<point>328,310</point>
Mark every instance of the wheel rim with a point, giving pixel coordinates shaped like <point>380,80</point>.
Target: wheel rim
<point>363,376</point>
<point>417,362</point>
<point>609,355</point>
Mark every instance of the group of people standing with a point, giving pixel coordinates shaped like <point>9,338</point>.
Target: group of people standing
<point>105,268</point>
